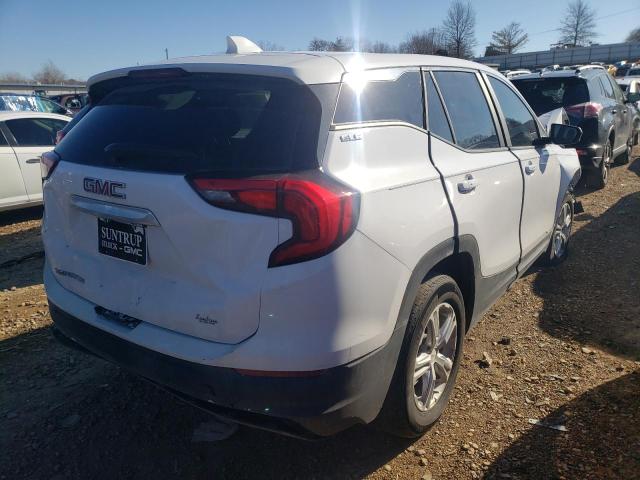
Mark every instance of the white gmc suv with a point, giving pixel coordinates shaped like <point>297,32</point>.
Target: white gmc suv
<point>299,241</point>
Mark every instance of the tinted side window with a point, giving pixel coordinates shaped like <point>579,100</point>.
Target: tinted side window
<point>30,132</point>
<point>616,89</point>
<point>608,88</point>
<point>520,123</point>
<point>468,109</point>
<point>3,140</point>
<point>400,99</point>
<point>438,122</point>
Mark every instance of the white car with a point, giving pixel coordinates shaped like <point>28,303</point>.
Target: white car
<point>24,136</point>
<point>295,241</point>
<point>558,115</point>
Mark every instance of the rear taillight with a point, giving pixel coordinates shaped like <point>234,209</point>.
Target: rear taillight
<point>581,151</point>
<point>323,212</point>
<point>584,110</point>
<point>60,135</point>
<point>48,163</point>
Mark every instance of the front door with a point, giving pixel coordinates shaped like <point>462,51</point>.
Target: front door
<point>12,190</point>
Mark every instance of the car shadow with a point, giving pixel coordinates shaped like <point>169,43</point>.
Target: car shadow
<point>22,215</point>
<point>90,419</point>
<point>21,258</point>
<point>604,262</point>
<point>601,441</point>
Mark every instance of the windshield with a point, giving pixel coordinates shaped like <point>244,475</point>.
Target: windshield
<point>30,103</point>
<point>633,72</point>
<point>546,94</point>
<point>204,122</point>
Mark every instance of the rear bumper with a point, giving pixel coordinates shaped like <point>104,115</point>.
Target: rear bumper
<point>320,404</point>
<point>590,156</point>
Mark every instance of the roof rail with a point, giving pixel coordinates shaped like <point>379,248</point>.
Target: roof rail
<point>237,44</point>
<point>589,67</point>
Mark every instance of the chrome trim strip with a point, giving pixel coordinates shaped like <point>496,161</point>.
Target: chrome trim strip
<point>112,211</point>
<point>384,123</point>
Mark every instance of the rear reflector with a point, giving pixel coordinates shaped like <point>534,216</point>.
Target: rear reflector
<point>584,110</point>
<point>323,212</point>
<point>48,163</point>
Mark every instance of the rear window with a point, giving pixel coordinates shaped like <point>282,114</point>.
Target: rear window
<point>238,124</point>
<point>546,94</point>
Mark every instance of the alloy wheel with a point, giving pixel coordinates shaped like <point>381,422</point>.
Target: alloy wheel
<point>435,357</point>
<point>562,230</point>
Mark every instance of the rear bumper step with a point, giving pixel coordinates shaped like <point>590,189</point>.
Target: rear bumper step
<point>306,407</point>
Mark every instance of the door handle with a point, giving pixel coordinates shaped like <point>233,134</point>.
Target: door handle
<point>468,185</point>
<point>529,168</point>
<point>33,160</point>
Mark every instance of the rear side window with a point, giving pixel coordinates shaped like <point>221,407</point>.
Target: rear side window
<point>3,140</point>
<point>468,110</point>
<point>386,100</point>
<point>226,123</point>
<point>520,123</point>
<point>607,87</point>
<point>546,94</point>
<point>35,132</point>
<point>437,118</point>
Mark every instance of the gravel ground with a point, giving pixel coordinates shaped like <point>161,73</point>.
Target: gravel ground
<point>565,350</point>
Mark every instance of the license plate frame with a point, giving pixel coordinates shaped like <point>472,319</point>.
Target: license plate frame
<point>124,241</point>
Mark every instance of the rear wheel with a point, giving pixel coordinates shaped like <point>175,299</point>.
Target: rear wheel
<point>429,360</point>
<point>558,248</point>
<point>600,177</point>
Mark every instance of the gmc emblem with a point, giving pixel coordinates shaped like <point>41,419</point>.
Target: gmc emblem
<point>108,188</point>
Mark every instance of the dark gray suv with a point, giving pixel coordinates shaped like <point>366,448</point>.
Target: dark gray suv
<point>593,102</point>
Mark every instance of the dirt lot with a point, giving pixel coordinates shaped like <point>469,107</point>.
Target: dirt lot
<point>565,344</point>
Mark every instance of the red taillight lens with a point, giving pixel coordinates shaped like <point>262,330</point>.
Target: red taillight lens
<point>584,110</point>
<point>59,136</point>
<point>48,163</point>
<point>324,213</point>
<point>581,151</point>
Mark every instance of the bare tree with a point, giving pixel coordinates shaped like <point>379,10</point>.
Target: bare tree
<point>579,25</point>
<point>49,73</point>
<point>634,35</point>
<point>377,47</point>
<point>509,39</point>
<point>459,28</point>
<point>340,44</point>
<point>269,46</point>
<point>13,77</point>
<point>318,45</point>
<point>428,42</point>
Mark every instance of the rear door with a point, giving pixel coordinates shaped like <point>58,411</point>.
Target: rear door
<point>125,227</point>
<point>540,169</point>
<point>33,136</point>
<point>12,190</point>
<point>482,177</point>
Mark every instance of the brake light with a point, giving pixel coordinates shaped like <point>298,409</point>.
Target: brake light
<point>48,163</point>
<point>584,110</point>
<point>324,213</point>
<point>581,151</point>
<point>60,135</point>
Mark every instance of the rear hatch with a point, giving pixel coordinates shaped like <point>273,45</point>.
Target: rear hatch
<point>125,226</point>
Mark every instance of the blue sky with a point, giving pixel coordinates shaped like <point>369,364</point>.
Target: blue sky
<point>85,37</point>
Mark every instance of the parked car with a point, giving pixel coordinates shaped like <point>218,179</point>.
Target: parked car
<point>71,101</point>
<point>631,88</point>
<point>622,70</point>
<point>24,136</point>
<point>593,102</point>
<point>17,102</point>
<point>271,236</point>
<point>633,72</point>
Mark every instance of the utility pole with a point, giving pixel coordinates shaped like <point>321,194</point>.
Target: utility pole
<point>166,53</point>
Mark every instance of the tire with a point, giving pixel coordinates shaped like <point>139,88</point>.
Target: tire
<point>624,157</point>
<point>600,177</point>
<point>404,413</point>
<point>558,249</point>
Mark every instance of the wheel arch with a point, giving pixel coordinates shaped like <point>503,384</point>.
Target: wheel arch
<point>457,257</point>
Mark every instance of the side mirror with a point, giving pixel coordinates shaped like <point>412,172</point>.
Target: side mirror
<point>633,98</point>
<point>565,134</point>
